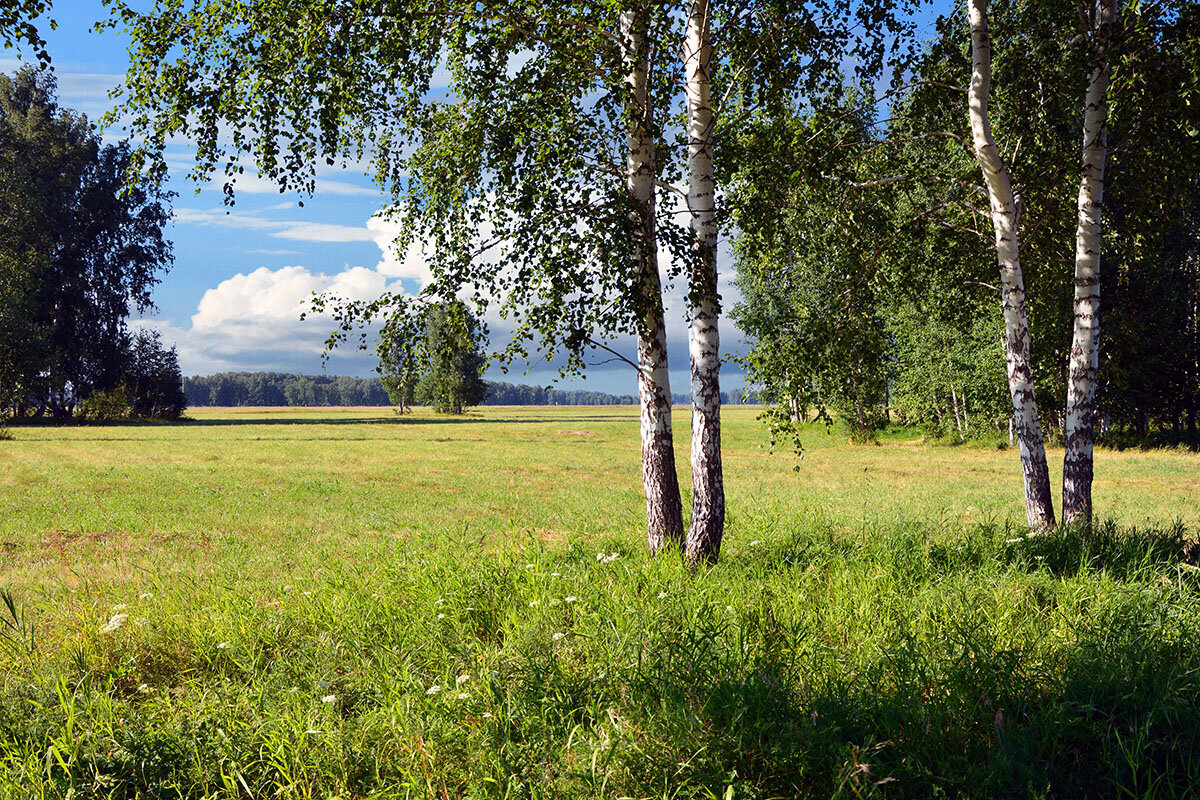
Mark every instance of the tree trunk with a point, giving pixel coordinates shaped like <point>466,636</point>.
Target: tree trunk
<point>1039,505</point>
<point>1079,433</point>
<point>664,509</point>
<point>708,489</point>
<point>957,421</point>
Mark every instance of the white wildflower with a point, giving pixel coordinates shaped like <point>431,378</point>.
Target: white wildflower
<point>529,566</point>
<point>534,603</point>
<point>464,696</point>
<point>145,689</point>
<point>461,679</point>
<point>441,616</point>
<point>755,543</point>
<point>662,595</point>
<point>608,559</point>
<point>314,732</point>
<point>555,575</point>
<point>571,598</point>
<point>487,715</point>
<point>558,636</point>
<point>223,646</point>
<point>729,609</point>
<point>329,698</point>
<point>432,690</point>
<point>115,623</point>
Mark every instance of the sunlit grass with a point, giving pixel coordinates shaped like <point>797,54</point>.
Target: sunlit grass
<point>333,602</point>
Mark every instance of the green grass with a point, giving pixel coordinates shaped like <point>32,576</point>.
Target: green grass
<point>295,583</point>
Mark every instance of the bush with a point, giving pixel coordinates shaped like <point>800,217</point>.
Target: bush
<point>105,406</point>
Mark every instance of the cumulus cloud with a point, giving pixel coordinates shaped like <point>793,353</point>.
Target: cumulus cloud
<point>409,265</point>
<point>281,294</point>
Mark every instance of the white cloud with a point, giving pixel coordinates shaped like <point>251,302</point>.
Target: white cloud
<point>283,229</point>
<point>252,322</point>
<point>270,296</point>
<point>410,265</point>
<point>252,183</point>
<point>324,232</point>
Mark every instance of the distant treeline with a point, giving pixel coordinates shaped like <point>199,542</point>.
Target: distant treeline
<point>285,389</point>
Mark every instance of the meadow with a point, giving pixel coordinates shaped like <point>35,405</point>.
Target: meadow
<point>349,603</point>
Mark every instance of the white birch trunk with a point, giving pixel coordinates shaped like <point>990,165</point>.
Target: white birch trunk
<point>1039,505</point>
<point>1079,431</point>
<point>957,421</point>
<point>664,509</point>
<point>708,488</point>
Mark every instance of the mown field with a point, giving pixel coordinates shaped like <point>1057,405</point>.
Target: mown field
<point>346,603</point>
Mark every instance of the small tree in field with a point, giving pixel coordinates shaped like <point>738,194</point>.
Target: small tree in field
<point>453,360</point>
<point>399,368</point>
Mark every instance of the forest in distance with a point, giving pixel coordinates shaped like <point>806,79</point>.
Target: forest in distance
<point>287,389</point>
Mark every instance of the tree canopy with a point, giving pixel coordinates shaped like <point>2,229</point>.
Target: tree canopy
<point>81,248</point>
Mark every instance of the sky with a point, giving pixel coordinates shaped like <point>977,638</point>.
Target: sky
<point>233,298</point>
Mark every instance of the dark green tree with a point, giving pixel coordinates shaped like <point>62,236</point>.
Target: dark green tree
<point>452,359</point>
<point>152,376</point>
<point>82,248</point>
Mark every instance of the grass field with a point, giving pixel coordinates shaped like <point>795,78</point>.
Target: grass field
<point>343,602</point>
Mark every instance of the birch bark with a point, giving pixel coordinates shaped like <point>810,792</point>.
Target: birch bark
<point>664,509</point>
<point>1039,505</point>
<point>1079,430</point>
<point>708,489</point>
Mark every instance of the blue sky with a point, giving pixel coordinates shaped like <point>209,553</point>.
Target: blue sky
<point>232,299</point>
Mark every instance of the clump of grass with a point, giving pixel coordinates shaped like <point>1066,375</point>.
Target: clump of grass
<point>815,660</point>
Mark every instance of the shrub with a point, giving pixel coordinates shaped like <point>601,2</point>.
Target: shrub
<point>105,406</point>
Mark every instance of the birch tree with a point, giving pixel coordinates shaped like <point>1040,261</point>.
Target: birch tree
<point>1079,428</point>
<point>704,343</point>
<point>1039,505</point>
<point>664,508</point>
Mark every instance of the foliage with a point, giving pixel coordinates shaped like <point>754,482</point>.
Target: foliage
<point>81,248</point>
<point>949,382</point>
<point>17,25</point>
<point>153,378</point>
<point>106,405</point>
<point>452,359</point>
<point>806,262</point>
<point>933,284</point>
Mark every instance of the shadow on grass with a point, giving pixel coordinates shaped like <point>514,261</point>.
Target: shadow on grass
<point>1116,714</point>
<point>1107,547</point>
<point>1121,552</point>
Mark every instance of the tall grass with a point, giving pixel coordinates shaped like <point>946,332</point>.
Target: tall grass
<point>815,660</point>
